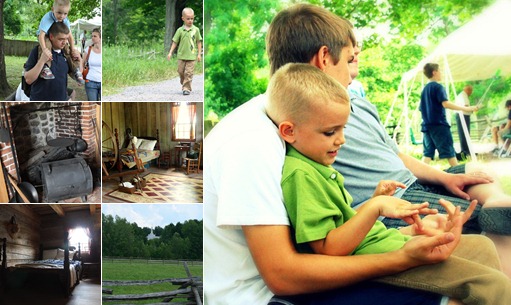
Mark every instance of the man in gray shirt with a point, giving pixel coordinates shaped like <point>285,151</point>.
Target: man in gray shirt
<point>370,155</point>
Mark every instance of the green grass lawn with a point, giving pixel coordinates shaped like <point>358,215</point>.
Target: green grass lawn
<point>125,66</point>
<point>144,271</point>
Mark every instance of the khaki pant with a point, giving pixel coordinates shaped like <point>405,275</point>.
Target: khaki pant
<point>185,69</point>
<point>472,274</point>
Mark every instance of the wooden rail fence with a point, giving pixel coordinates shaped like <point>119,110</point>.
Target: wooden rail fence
<point>190,288</point>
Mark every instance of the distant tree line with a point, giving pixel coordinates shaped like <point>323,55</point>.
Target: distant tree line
<point>175,241</point>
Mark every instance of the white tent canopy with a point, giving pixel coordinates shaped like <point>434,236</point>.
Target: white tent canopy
<point>478,50</point>
<point>88,25</point>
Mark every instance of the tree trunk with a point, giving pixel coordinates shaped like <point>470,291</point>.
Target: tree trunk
<point>170,23</point>
<point>5,89</point>
<point>115,6</point>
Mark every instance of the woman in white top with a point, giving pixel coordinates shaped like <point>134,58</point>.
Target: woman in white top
<point>93,78</point>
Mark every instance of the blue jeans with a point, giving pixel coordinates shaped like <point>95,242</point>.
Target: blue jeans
<point>365,293</point>
<point>93,90</point>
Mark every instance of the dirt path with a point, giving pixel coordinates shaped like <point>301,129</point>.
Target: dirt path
<point>169,90</point>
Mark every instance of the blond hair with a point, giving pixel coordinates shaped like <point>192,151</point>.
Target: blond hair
<point>296,89</point>
<point>187,10</point>
<point>57,3</point>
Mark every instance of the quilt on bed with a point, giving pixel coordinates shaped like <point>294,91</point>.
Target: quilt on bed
<point>74,267</point>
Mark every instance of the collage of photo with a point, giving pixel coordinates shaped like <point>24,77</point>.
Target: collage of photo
<point>189,152</point>
<point>101,179</point>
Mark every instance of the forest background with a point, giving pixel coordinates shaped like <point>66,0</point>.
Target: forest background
<point>122,238</point>
<point>397,35</point>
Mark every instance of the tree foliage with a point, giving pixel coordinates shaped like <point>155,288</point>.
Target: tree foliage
<point>176,241</point>
<point>235,51</point>
<point>136,22</point>
<point>235,60</point>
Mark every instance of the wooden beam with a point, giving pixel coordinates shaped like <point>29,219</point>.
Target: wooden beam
<point>58,209</point>
<point>92,208</point>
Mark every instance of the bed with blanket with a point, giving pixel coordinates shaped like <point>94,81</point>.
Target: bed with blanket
<point>55,262</point>
<point>145,148</point>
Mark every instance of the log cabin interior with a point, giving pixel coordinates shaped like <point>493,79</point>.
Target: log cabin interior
<point>141,140</point>
<point>32,232</point>
<point>50,152</point>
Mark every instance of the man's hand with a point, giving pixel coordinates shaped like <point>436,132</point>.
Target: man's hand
<point>441,223</point>
<point>387,187</point>
<point>434,249</point>
<point>46,55</point>
<point>75,53</point>
<point>456,183</point>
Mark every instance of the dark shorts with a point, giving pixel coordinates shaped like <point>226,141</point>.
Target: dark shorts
<point>365,293</point>
<point>438,137</point>
<point>418,193</point>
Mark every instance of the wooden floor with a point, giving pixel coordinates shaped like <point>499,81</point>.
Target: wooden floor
<point>112,184</point>
<point>88,292</point>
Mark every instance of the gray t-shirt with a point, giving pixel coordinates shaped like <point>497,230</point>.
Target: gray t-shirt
<point>369,154</point>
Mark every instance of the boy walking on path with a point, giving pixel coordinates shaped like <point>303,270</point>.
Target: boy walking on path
<point>188,41</point>
<point>311,111</point>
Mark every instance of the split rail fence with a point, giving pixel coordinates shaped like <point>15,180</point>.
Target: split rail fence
<point>190,288</point>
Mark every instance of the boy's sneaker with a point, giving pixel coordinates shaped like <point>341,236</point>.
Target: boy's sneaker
<point>46,73</point>
<point>186,92</point>
<point>79,77</point>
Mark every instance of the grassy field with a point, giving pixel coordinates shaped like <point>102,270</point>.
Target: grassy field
<point>125,66</point>
<point>144,271</point>
<point>14,67</point>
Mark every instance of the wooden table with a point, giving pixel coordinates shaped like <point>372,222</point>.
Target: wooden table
<point>177,151</point>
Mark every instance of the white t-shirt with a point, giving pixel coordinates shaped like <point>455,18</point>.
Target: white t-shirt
<point>94,66</point>
<point>243,164</point>
<point>462,100</point>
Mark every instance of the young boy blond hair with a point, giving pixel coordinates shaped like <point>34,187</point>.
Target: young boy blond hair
<point>58,13</point>
<point>311,110</point>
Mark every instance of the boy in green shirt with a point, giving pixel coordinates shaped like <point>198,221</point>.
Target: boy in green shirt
<point>188,41</point>
<point>311,110</point>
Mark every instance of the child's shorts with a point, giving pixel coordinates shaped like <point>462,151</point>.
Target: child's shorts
<point>438,137</point>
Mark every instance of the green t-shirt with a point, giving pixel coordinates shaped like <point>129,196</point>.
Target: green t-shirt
<point>317,203</point>
<point>186,41</point>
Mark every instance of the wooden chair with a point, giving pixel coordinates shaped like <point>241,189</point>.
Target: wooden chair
<point>193,164</point>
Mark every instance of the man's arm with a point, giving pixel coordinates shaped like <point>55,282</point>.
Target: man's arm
<point>287,272</point>
<point>431,175</point>
<point>32,74</point>
<point>452,106</point>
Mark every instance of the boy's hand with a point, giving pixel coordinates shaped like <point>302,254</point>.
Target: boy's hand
<point>437,248</point>
<point>402,209</point>
<point>437,224</point>
<point>199,58</point>
<point>387,187</point>
<point>169,56</point>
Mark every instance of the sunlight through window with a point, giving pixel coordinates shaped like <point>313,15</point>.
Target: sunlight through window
<point>79,236</point>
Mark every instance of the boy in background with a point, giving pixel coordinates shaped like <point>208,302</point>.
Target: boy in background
<point>311,110</point>
<point>435,128</point>
<point>188,41</point>
<point>58,13</point>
